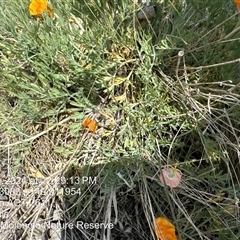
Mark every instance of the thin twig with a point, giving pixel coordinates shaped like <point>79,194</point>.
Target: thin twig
<point>214,65</point>
<point>35,136</point>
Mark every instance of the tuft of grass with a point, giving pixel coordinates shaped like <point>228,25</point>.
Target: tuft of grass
<point>163,91</point>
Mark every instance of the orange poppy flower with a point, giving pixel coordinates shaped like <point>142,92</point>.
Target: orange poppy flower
<point>237,4</point>
<point>37,7</point>
<point>91,124</point>
<point>164,229</point>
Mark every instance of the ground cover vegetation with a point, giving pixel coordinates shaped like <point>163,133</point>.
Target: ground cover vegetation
<point>152,93</point>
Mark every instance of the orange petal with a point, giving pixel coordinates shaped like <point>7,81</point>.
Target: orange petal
<point>37,7</point>
<point>164,229</point>
<point>237,4</point>
<point>91,124</point>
